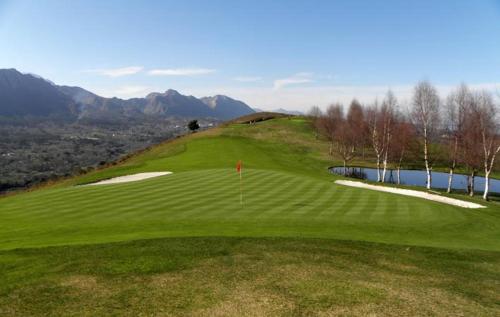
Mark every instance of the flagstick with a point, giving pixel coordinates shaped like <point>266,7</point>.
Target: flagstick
<point>241,190</point>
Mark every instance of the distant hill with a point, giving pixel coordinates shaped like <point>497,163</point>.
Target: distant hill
<point>26,95</point>
<point>292,112</point>
<point>281,110</point>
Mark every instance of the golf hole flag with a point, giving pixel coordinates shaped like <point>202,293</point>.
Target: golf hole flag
<point>238,169</point>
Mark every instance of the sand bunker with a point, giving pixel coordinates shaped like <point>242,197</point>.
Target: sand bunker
<point>129,178</point>
<point>413,193</point>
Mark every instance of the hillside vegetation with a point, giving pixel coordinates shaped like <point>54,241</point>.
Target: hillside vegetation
<point>183,244</point>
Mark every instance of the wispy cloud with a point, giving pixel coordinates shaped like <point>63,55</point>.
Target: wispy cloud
<point>302,98</point>
<point>248,79</point>
<point>299,78</point>
<point>117,72</point>
<point>125,92</point>
<point>181,72</point>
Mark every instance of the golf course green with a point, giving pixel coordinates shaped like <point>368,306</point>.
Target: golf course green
<point>297,244</point>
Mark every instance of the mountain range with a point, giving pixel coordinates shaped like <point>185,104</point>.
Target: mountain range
<point>27,95</point>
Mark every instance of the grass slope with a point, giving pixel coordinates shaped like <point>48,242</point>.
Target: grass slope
<point>248,277</point>
<point>288,193</point>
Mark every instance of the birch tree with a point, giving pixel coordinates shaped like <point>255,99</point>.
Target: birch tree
<point>388,121</point>
<point>376,134</point>
<point>487,119</point>
<point>425,113</point>
<point>457,105</point>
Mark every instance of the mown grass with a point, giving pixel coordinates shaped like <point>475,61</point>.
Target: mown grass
<point>73,250</point>
<point>248,277</point>
<point>207,203</point>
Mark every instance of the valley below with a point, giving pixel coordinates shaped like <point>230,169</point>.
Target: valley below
<point>33,152</point>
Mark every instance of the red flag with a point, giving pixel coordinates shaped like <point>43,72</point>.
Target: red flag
<point>238,169</point>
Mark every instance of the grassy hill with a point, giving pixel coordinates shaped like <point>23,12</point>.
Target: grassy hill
<point>298,245</point>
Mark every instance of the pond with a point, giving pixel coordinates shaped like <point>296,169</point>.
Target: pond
<point>419,178</point>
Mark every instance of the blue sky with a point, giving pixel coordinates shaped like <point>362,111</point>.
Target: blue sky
<point>271,54</point>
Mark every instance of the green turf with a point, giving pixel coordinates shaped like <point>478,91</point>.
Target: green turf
<point>207,203</point>
<point>248,277</point>
<point>287,193</point>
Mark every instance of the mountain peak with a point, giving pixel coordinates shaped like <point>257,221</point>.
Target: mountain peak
<point>226,107</point>
<point>30,95</point>
<point>10,70</point>
<point>172,92</point>
<point>12,73</point>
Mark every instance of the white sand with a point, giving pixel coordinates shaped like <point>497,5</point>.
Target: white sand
<point>414,193</point>
<point>130,178</point>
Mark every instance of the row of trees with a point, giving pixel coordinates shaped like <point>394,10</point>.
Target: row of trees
<point>463,130</point>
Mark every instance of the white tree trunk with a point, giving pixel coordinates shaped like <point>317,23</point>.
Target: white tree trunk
<point>487,171</point>
<point>450,180</point>
<point>428,170</point>
<point>486,185</point>
<point>399,175</point>
<point>426,159</point>
<point>379,177</point>
<point>429,177</point>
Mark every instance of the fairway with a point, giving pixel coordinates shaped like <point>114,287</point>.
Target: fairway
<point>287,194</point>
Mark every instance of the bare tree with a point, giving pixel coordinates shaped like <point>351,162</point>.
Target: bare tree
<point>340,131</point>
<point>425,114</point>
<point>380,121</point>
<point>457,105</point>
<point>487,121</point>
<point>388,120</point>
<point>331,122</point>
<point>345,140</point>
<point>356,120</point>
<point>470,144</point>
<point>375,128</point>
<point>402,141</point>
<point>315,114</point>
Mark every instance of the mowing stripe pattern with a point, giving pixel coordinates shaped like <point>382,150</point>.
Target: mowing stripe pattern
<point>206,202</point>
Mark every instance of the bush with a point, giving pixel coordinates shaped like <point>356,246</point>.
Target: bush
<point>193,125</point>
